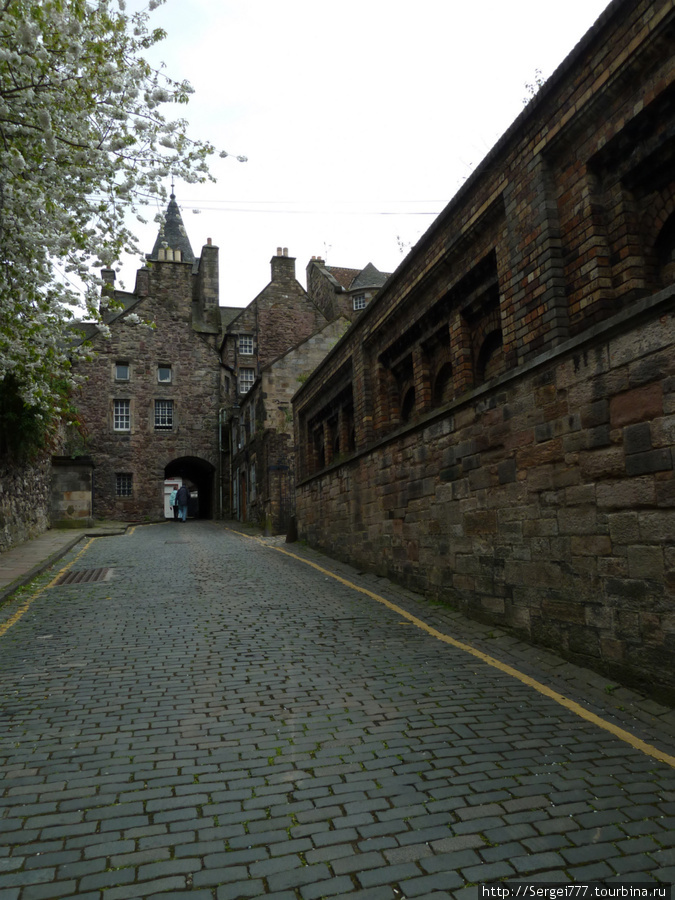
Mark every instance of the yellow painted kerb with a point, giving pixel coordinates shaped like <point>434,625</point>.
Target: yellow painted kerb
<point>4,628</point>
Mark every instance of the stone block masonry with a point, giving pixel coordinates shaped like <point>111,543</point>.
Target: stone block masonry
<point>510,392</point>
<point>168,377</point>
<point>533,504</point>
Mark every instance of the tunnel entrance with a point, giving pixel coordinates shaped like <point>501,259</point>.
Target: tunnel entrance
<point>198,475</point>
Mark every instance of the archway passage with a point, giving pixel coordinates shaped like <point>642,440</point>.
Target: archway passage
<point>198,474</point>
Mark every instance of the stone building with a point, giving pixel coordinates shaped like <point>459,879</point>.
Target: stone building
<point>278,338</point>
<point>342,292</point>
<point>262,440</point>
<point>510,392</point>
<point>281,315</point>
<point>168,403</point>
<point>149,406</point>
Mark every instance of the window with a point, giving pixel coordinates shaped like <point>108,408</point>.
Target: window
<point>121,371</point>
<point>124,484</point>
<point>163,415</point>
<point>246,379</point>
<point>122,415</point>
<point>164,374</point>
<point>360,301</point>
<point>245,345</point>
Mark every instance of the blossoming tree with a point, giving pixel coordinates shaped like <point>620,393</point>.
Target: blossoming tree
<point>84,144</point>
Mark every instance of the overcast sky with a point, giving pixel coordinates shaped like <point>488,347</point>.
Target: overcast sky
<point>360,118</point>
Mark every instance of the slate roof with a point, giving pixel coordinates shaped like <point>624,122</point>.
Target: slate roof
<point>358,279</point>
<point>370,277</point>
<point>173,233</point>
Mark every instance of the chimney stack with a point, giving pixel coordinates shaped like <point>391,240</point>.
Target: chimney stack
<point>283,265</point>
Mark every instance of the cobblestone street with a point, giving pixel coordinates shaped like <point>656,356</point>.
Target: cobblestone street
<point>218,719</point>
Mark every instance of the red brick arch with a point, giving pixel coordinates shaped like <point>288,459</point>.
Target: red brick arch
<point>658,230</point>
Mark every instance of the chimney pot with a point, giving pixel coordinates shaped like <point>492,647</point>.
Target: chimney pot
<point>278,251</point>
<point>285,251</point>
<point>208,242</point>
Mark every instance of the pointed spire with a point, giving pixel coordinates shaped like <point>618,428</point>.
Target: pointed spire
<point>172,234</point>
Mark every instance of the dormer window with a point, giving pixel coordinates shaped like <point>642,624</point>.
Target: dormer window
<point>164,374</point>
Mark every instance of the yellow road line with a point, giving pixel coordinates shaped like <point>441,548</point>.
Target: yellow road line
<point>4,628</point>
<point>571,705</point>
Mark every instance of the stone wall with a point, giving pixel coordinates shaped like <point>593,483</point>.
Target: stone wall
<point>543,502</point>
<point>24,501</point>
<point>496,428</point>
<point>72,492</point>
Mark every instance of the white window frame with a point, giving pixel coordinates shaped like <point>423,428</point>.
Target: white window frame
<point>359,302</point>
<point>121,415</point>
<point>163,415</point>
<point>124,484</point>
<point>159,374</point>
<point>245,379</point>
<point>246,345</point>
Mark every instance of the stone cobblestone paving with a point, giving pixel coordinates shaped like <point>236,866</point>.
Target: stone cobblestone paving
<point>219,720</point>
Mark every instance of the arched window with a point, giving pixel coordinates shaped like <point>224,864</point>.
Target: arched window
<point>665,252</point>
<point>408,405</point>
<point>443,385</point>
<point>319,449</point>
<point>490,360</point>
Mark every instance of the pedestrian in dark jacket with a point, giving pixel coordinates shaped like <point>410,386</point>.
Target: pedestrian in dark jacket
<point>182,499</point>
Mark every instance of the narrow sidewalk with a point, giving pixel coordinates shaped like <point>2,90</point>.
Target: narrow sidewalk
<point>26,561</point>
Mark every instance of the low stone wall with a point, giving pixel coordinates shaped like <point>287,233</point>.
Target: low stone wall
<point>24,501</point>
<point>543,501</point>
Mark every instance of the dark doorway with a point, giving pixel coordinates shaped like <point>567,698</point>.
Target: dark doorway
<point>198,475</point>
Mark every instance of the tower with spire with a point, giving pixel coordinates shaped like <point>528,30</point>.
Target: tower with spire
<point>172,243</point>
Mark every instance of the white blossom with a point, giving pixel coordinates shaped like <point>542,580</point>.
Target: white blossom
<point>80,129</point>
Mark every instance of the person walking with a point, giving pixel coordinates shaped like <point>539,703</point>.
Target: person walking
<point>182,499</point>
<point>173,504</point>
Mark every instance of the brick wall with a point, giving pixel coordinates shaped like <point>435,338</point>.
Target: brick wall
<point>511,386</point>
<point>543,502</point>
